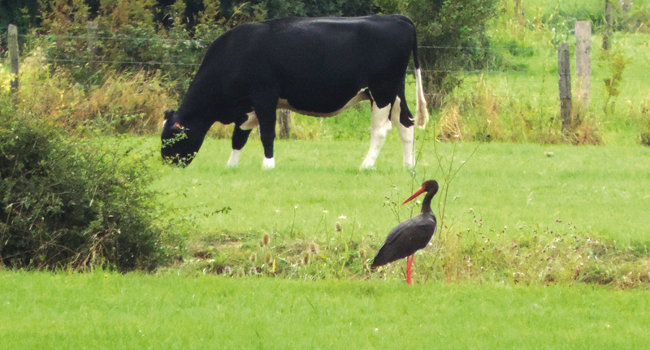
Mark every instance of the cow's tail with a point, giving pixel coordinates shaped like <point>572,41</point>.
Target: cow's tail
<point>421,112</point>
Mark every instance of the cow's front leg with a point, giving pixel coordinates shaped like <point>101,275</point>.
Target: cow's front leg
<point>267,135</point>
<point>239,138</point>
<point>266,116</point>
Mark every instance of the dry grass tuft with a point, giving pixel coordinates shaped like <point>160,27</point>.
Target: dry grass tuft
<point>128,102</point>
<point>451,124</point>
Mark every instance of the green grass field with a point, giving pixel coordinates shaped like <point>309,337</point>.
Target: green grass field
<point>603,191</point>
<point>542,246</point>
<point>514,213</point>
<point>97,310</point>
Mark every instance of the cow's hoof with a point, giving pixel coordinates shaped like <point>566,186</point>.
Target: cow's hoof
<point>233,161</point>
<point>268,163</point>
<point>367,165</point>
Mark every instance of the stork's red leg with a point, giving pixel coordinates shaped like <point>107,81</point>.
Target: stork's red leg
<point>409,269</point>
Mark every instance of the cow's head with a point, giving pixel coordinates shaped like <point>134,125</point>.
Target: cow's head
<point>179,142</point>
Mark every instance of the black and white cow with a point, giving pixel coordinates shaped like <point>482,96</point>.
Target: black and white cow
<point>313,66</point>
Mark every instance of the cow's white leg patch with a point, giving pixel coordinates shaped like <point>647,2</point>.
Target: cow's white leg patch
<point>268,163</point>
<point>251,122</point>
<point>380,125</point>
<point>405,134</point>
<point>233,161</point>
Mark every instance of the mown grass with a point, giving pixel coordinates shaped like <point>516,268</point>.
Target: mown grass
<point>105,310</point>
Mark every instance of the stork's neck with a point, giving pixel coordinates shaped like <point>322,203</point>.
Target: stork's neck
<point>426,203</point>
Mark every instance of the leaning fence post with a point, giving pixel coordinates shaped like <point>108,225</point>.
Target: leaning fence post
<point>608,25</point>
<point>283,121</point>
<point>564,70</point>
<point>583,62</point>
<point>519,10</point>
<point>92,28</point>
<point>12,39</point>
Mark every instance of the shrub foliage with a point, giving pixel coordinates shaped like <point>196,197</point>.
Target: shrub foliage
<point>66,204</point>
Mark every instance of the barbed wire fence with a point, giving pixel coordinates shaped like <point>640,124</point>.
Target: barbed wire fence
<point>203,44</point>
<point>89,53</point>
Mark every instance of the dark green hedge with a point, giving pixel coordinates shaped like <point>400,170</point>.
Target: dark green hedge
<point>67,204</point>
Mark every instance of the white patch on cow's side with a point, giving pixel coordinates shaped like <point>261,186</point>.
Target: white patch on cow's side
<point>405,134</point>
<point>251,122</point>
<point>268,163</point>
<point>233,161</point>
<point>362,95</point>
<point>421,112</point>
<point>379,127</point>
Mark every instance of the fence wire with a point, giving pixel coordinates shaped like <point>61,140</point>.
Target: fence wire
<point>98,39</point>
<point>200,43</point>
<point>195,41</point>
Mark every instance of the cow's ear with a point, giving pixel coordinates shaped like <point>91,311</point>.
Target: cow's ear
<point>169,113</point>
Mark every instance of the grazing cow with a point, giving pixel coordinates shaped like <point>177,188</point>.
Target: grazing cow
<point>313,66</point>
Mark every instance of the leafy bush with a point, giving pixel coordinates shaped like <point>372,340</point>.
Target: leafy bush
<point>639,17</point>
<point>124,36</point>
<point>614,62</point>
<point>69,204</point>
<point>453,33</point>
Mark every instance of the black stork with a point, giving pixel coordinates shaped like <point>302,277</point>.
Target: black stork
<point>410,235</point>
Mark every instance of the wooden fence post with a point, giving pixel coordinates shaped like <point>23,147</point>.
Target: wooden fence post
<point>12,40</point>
<point>564,70</point>
<point>519,10</point>
<point>92,29</point>
<point>608,25</point>
<point>583,62</point>
<point>283,121</point>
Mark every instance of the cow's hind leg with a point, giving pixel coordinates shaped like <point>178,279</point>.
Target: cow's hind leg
<point>239,138</point>
<point>400,114</point>
<point>379,127</point>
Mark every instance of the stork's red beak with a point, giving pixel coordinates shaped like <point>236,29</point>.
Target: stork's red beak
<point>417,193</point>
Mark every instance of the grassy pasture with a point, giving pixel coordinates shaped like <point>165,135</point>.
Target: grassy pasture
<point>98,310</point>
<point>518,213</point>
<point>603,191</point>
<point>520,103</point>
<point>580,212</point>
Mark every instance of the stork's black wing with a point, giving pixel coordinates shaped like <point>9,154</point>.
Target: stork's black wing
<point>405,239</point>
